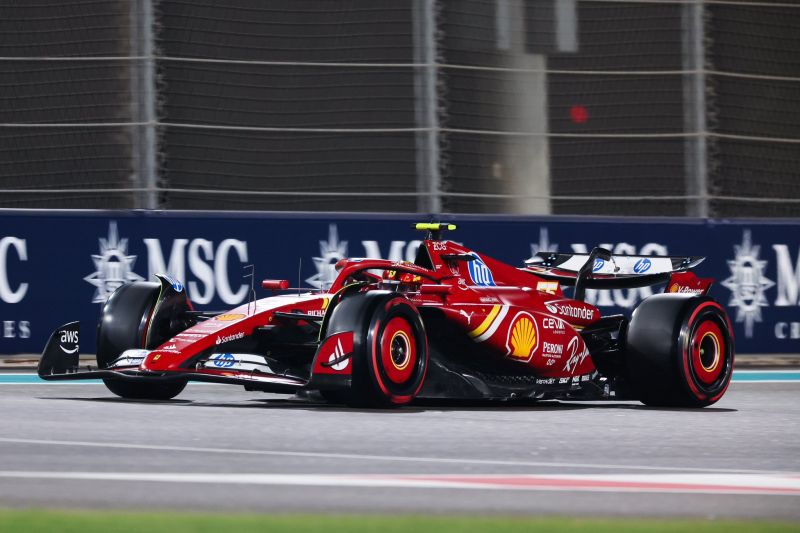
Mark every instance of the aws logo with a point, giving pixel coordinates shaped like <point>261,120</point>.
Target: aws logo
<point>69,337</point>
<point>523,337</point>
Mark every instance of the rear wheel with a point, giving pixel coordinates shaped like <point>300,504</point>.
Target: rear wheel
<point>123,326</point>
<point>679,351</point>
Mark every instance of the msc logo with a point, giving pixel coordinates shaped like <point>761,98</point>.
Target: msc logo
<point>598,265</point>
<point>113,266</point>
<point>480,273</point>
<point>642,265</point>
<point>523,337</point>
<point>748,283</point>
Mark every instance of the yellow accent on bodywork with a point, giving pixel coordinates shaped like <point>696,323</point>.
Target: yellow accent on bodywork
<point>477,332</point>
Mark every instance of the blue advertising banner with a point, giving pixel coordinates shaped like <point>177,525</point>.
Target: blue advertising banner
<point>58,266</point>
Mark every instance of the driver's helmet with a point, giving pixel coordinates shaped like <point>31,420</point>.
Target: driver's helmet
<point>405,281</point>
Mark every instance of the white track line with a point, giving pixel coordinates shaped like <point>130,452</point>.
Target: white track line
<point>685,483</point>
<point>389,458</point>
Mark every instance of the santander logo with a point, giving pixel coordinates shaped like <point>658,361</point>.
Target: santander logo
<point>572,311</point>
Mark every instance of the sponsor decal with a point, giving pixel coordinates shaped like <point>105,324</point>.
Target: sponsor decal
<point>575,357</point>
<point>177,286</point>
<point>552,350</point>
<point>453,266</point>
<point>466,315</point>
<point>338,351</point>
<point>67,338</point>
<point>242,362</point>
<point>190,335</point>
<point>113,266</point>
<point>642,265</point>
<point>556,325</point>
<point>681,289</point>
<point>747,283</point>
<point>550,287</point>
<point>523,337</point>
<point>167,348</point>
<point>132,357</point>
<point>479,273</point>
<point>223,360</point>
<point>598,265</point>
<point>562,381</point>
<point>228,317</point>
<point>439,246</point>
<point>545,381</point>
<point>569,310</point>
<point>228,338</point>
<point>156,357</point>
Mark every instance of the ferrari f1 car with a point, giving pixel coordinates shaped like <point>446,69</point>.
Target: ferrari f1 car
<point>455,323</point>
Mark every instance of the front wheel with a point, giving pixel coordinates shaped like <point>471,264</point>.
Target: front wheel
<point>123,325</point>
<point>679,351</point>
<point>390,348</point>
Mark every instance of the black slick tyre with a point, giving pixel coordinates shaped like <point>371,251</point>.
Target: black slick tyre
<point>679,351</point>
<point>123,326</point>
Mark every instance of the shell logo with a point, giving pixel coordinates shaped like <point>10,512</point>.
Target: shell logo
<point>674,288</point>
<point>523,339</point>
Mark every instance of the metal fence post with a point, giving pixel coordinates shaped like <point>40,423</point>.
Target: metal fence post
<point>143,104</point>
<point>425,106</point>
<point>694,106</point>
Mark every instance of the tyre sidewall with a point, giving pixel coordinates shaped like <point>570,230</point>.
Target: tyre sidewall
<point>123,320</point>
<point>658,365</point>
<point>699,311</point>
<point>383,386</point>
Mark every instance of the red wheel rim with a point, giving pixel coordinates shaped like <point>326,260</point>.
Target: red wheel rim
<point>707,352</point>
<point>398,350</point>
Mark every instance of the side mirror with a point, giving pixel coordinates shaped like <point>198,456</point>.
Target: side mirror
<point>275,284</point>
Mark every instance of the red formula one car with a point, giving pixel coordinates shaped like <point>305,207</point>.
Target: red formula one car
<point>453,324</point>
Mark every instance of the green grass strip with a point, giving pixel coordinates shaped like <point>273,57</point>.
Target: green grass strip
<point>49,521</point>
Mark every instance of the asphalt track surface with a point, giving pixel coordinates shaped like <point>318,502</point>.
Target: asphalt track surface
<point>218,447</point>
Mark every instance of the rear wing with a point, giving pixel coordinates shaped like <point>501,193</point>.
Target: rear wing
<point>601,269</point>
